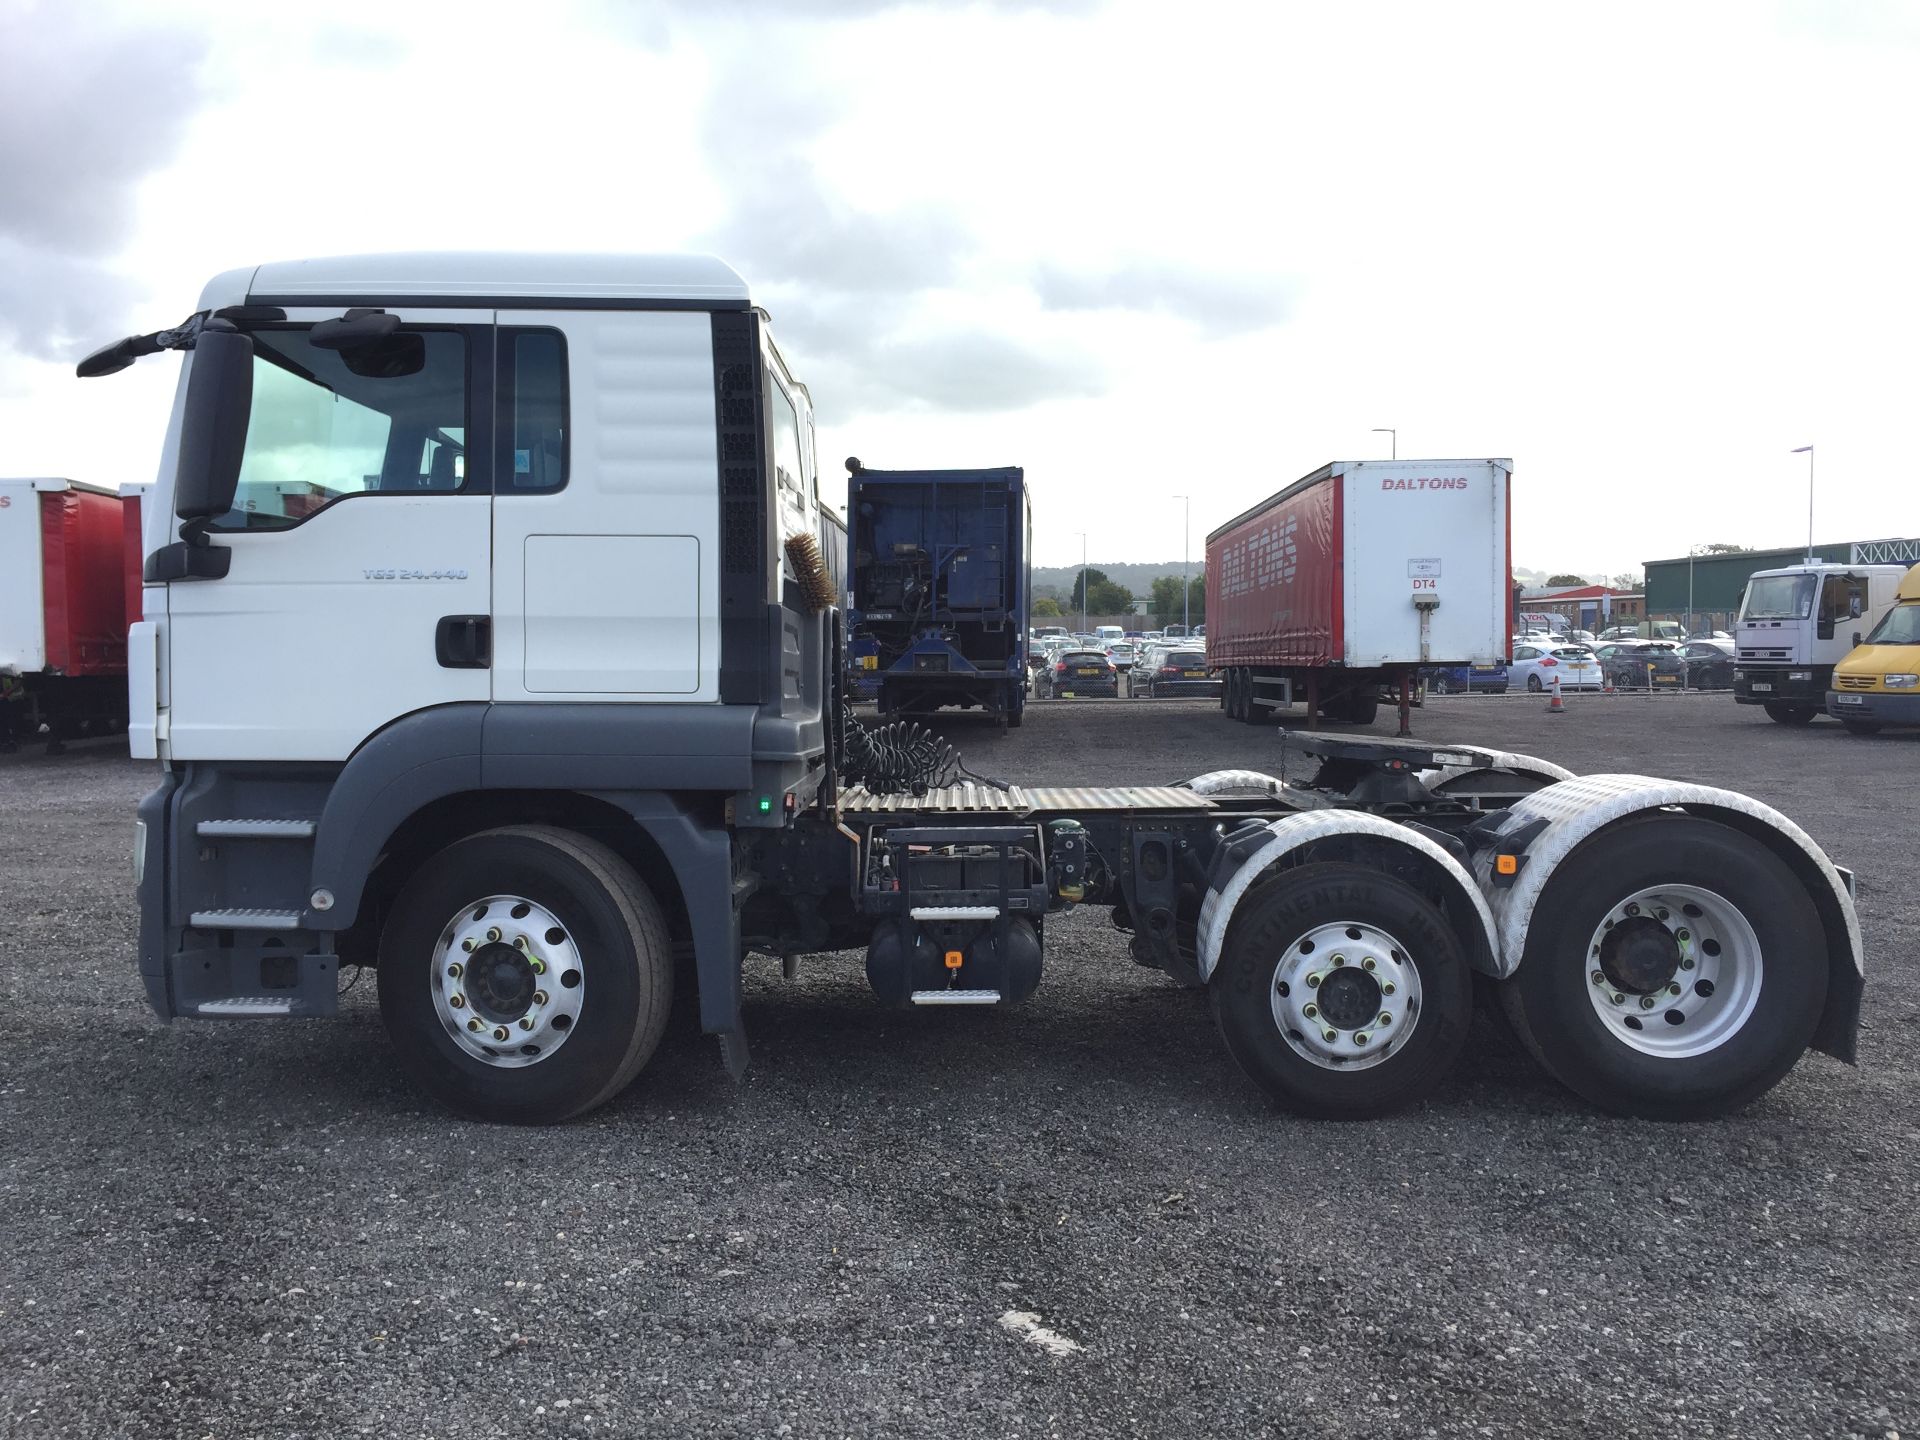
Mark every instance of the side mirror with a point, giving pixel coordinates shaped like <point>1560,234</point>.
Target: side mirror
<point>1856,639</point>
<point>213,425</point>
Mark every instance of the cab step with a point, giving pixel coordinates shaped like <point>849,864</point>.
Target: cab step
<point>241,1007</point>
<point>245,920</point>
<point>956,997</point>
<point>255,829</point>
<point>955,912</point>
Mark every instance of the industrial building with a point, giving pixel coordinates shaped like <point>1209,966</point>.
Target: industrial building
<point>1710,586</point>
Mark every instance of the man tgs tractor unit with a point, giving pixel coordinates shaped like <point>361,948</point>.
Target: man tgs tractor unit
<point>939,588</point>
<point>488,641</point>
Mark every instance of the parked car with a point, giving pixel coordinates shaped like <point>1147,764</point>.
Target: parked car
<point>1180,671</point>
<point>1084,671</point>
<point>1644,665</point>
<point>1535,666</point>
<point>1466,679</point>
<point>1709,664</point>
<point>1121,653</point>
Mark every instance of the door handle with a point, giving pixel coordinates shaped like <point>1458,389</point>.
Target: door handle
<point>464,642</point>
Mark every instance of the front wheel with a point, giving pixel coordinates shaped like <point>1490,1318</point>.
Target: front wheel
<point>1782,713</point>
<point>525,975</point>
<point>1342,992</point>
<point>1533,684</point>
<point>1674,970</point>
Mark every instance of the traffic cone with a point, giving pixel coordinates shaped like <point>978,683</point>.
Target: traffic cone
<point>1556,706</point>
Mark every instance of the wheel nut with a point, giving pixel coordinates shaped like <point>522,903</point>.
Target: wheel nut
<point>499,1032</point>
<point>467,944</point>
<point>1683,935</point>
<point>1310,1011</point>
<point>519,942</point>
<point>1360,1037</point>
<point>1617,998</point>
<point>1385,1019</point>
<point>474,1024</point>
<point>1330,1035</point>
<point>1599,977</point>
<point>1388,987</point>
<point>1367,964</point>
<point>1633,909</point>
<point>455,970</point>
<point>457,1000</point>
<point>1339,960</point>
<point>539,965</point>
<point>526,1022</point>
<point>1686,962</point>
<point>1660,914</point>
<point>1313,981</point>
<point>1646,1002</point>
<point>1673,989</point>
<point>493,935</point>
<point>539,997</point>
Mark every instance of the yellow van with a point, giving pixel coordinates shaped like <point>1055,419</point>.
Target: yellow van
<point>1879,682</point>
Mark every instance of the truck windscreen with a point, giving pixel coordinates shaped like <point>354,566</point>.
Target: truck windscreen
<point>1778,597</point>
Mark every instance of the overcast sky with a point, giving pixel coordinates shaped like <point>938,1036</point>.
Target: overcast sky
<point>1142,249</point>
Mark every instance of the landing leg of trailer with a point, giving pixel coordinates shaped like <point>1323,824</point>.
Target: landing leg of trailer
<point>1406,708</point>
<point>1313,701</point>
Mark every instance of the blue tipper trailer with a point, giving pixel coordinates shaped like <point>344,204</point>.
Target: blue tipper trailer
<point>939,580</point>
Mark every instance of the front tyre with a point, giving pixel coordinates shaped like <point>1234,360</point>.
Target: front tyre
<point>1782,713</point>
<point>525,975</point>
<point>1342,992</point>
<point>1674,970</point>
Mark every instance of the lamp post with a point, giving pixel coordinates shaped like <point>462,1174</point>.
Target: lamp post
<point>1693,551</point>
<point>1807,450</point>
<point>1186,585</point>
<point>1083,580</point>
<point>1393,441</point>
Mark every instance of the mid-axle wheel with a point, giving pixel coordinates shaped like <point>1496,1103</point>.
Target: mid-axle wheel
<point>1342,992</point>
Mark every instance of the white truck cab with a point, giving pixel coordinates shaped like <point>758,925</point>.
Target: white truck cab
<point>1799,621</point>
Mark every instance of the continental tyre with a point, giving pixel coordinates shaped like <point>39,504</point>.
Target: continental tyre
<point>1674,970</point>
<point>525,975</point>
<point>1342,992</point>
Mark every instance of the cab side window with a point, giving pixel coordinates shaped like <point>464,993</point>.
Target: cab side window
<point>534,423</point>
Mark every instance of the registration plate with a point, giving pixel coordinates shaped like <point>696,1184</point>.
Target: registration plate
<point>1193,674</point>
<point>1852,699</point>
<point>1666,679</point>
<point>1086,672</point>
<point>1762,688</point>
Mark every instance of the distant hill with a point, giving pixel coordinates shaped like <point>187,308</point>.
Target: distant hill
<point>1058,580</point>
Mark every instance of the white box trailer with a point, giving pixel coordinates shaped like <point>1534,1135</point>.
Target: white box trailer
<point>1355,576</point>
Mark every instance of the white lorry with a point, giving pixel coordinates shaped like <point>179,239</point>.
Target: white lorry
<point>485,643</point>
<point>1796,623</point>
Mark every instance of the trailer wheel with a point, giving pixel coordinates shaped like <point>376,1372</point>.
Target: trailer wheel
<point>1342,992</point>
<point>525,975</point>
<point>1781,713</point>
<point>1675,970</point>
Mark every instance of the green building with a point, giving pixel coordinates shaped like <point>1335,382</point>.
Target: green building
<point>1717,582</point>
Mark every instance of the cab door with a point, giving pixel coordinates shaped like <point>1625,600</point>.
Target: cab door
<point>359,584</point>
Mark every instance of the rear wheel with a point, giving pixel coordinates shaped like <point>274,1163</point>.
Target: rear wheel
<point>1342,992</point>
<point>1782,713</point>
<point>1675,970</point>
<point>525,975</point>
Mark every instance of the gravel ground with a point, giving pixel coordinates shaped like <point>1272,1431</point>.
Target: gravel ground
<point>258,1229</point>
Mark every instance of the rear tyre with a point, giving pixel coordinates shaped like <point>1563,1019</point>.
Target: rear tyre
<point>1782,713</point>
<point>1861,727</point>
<point>1533,684</point>
<point>1342,992</point>
<point>1674,970</point>
<point>525,975</point>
